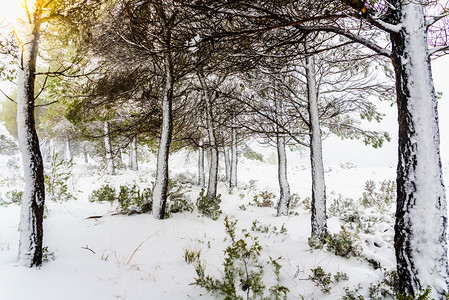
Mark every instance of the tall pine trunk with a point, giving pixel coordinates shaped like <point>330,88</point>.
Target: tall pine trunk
<point>234,161</point>
<point>201,177</point>
<point>110,168</point>
<point>86,155</point>
<point>319,218</point>
<point>284,187</point>
<point>213,148</point>
<point>133,159</point>
<point>227,162</point>
<point>33,198</point>
<point>68,149</point>
<point>421,216</point>
<point>161,183</point>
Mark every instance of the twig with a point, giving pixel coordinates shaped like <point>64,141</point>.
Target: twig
<point>87,248</point>
<point>93,217</point>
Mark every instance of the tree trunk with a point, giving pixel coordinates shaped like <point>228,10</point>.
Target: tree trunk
<point>86,155</point>
<point>319,218</point>
<point>227,165</point>
<point>110,168</point>
<point>284,187</point>
<point>421,216</point>
<point>33,198</point>
<point>68,149</point>
<point>201,177</point>
<point>233,182</point>
<point>161,183</point>
<point>134,164</point>
<point>213,167</point>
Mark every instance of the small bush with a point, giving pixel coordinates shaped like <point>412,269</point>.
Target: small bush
<point>321,279</point>
<point>263,199</point>
<point>192,256</point>
<point>134,200</point>
<point>209,207</point>
<point>56,179</point>
<point>104,193</point>
<point>343,244</point>
<point>243,270</point>
<point>177,200</point>
<point>383,199</point>
<point>47,255</point>
<point>258,227</point>
<point>14,196</point>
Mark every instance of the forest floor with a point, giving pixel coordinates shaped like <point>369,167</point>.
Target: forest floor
<point>133,257</point>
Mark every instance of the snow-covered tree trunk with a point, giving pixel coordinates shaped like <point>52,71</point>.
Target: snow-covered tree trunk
<point>319,218</point>
<point>213,166</point>
<point>86,155</point>
<point>110,168</point>
<point>133,159</point>
<point>233,182</point>
<point>33,198</point>
<point>161,183</point>
<point>68,149</point>
<point>201,177</point>
<point>421,216</point>
<point>227,162</point>
<point>284,187</point>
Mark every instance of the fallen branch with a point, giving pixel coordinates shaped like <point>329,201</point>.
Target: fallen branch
<point>94,217</point>
<point>87,248</point>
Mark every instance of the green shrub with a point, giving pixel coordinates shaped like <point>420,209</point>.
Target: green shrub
<point>209,207</point>
<point>263,199</point>
<point>104,193</point>
<point>47,255</point>
<point>353,294</point>
<point>192,256</point>
<point>177,200</point>
<point>56,179</point>
<point>259,227</point>
<point>14,196</point>
<point>321,279</point>
<point>383,199</point>
<point>134,200</point>
<point>243,270</point>
<point>343,244</point>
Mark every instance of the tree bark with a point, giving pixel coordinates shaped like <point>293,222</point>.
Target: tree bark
<point>86,155</point>
<point>234,160</point>
<point>161,183</point>
<point>319,218</point>
<point>284,187</point>
<point>134,164</point>
<point>201,177</point>
<point>33,199</point>
<point>110,168</point>
<point>213,167</point>
<point>68,149</point>
<point>421,216</point>
<point>227,165</point>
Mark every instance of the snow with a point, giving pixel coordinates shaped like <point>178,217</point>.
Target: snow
<point>120,269</point>
<point>425,189</point>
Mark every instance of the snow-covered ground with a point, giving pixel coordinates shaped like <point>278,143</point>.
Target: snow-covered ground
<point>114,269</point>
<point>138,257</point>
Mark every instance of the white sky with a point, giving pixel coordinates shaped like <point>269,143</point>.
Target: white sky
<point>336,150</point>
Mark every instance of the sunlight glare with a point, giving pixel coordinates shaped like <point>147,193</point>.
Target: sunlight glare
<point>10,11</point>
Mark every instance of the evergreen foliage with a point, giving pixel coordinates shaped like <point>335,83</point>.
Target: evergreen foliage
<point>209,207</point>
<point>57,177</point>
<point>243,273</point>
